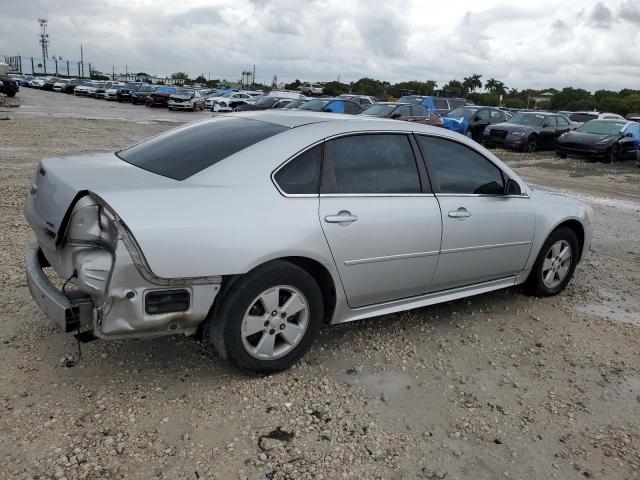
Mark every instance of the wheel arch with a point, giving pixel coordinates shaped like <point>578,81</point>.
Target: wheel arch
<point>577,228</point>
<point>319,272</point>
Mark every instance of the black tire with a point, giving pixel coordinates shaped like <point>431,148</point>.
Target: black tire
<point>531,144</point>
<point>560,154</point>
<point>535,284</point>
<point>222,328</point>
<point>613,155</point>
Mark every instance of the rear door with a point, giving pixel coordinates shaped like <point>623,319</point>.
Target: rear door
<point>486,234</point>
<point>381,221</point>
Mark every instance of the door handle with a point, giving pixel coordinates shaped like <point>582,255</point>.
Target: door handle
<point>460,213</point>
<point>343,218</point>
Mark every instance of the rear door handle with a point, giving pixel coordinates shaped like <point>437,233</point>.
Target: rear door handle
<point>461,213</point>
<point>343,218</point>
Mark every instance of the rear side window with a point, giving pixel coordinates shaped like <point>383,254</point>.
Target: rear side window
<point>459,169</point>
<point>302,174</point>
<point>187,150</point>
<point>370,164</point>
<point>440,104</point>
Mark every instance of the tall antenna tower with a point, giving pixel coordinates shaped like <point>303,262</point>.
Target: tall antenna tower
<point>44,37</point>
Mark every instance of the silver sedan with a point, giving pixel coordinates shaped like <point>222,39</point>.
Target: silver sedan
<point>256,229</point>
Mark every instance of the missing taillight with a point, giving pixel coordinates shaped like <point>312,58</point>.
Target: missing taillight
<point>166,301</point>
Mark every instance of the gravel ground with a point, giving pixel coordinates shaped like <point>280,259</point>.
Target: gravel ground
<point>500,385</point>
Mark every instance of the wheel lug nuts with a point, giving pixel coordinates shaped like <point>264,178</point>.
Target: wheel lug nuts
<point>283,315</point>
<point>266,324</point>
<point>272,331</point>
<point>282,326</point>
<point>274,313</point>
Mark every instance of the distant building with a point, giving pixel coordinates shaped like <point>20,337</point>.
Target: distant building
<point>544,97</point>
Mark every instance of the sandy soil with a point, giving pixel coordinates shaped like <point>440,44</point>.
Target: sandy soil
<point>501,385</point>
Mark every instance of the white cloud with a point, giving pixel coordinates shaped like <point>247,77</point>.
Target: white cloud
<point>585,43</point>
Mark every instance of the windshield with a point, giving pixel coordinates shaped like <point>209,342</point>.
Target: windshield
<point>582,117</point>
<point>600,127</point>
<point>185,151</point>
<point>315,105</point>
<point>267,101</point>
<point>296,104</point>
<point>464,112</point>
<point>533,119</point>
<point>379,110</point>
<point>186,93</point>
<point>147,88</point>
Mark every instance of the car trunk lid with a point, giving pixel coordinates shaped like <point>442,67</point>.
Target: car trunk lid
<point>58,182</point>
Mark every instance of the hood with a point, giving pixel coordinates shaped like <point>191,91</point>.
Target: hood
<point>58,181</point>
<point>512,127</point>
<point>588,138</point>
<point>457,124</point>
<point>182,97</point>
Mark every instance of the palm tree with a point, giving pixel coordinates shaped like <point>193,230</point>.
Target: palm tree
<point>495,86</point>
<point>472,82</point>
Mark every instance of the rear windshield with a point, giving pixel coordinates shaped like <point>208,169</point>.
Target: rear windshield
<point>187,150</point>
<point>582,117</point>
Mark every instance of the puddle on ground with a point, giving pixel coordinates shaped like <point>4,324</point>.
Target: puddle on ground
<point>611,307</point>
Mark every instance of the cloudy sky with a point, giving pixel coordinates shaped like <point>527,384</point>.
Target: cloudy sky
<point>591,44</point>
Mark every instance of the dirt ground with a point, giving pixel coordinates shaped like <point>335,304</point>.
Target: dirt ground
<point>500,385</point>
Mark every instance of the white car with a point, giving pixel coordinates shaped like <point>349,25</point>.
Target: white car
<point>59,86</point>
<point>227,102</point>
<point>111,93</point>
<point>37,82</point>
<point>578,118</point>
<point>287,94</point>
<point>311,89</point>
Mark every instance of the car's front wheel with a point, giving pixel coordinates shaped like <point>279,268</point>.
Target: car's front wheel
<point>555,264</point>
<point>267,319</point>
<point>613,154</point>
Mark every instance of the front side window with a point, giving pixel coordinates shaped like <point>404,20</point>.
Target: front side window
<point>302,174</point>
<point>459,169</point>
<point>419,111</point>
<point>374,164</point>
<point>403,112</point>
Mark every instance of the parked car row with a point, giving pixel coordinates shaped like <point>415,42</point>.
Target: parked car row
<point>602,135</point>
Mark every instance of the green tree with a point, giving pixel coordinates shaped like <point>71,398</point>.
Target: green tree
<point>335,88</point>
<point>495,86</point>
<point>179,76</point>
<point>472,82</point>
<point>293,85</point>
<point>455,87</point>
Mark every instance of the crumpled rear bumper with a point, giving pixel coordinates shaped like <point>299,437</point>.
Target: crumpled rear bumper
<point>70,311</point>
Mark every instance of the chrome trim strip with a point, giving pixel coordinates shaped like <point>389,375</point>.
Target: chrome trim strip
<point>496,195</point>
<point>330,195</point>
<point>391,257</point>
<point>484,247</point>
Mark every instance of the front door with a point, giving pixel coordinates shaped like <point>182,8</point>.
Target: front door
<point>486,234</point>
<point>382,224</point>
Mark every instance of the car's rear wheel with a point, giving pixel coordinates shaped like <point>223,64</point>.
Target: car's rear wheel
<point>614,153</point>
<point>267,319</point>
<point>555,264</point>
<point>561,154</point>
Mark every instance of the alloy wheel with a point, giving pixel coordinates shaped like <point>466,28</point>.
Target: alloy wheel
<point>557,263</point>
<point>275,322</point>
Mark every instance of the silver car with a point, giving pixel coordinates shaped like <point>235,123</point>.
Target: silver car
<point>256,229</point>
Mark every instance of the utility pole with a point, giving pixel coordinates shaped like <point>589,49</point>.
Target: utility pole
<point>44,37</point>
<point>113,73</point>
<point>126,72</point>
<point>253,77</point>
<point>82,59</point>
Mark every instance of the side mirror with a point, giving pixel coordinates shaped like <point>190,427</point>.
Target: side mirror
<point>512,188</point>
<point>476,119</point>
<point>628,134</point>
<point>545,125</point>
<point>395,115</point>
